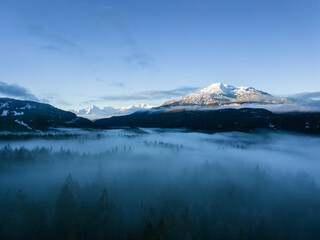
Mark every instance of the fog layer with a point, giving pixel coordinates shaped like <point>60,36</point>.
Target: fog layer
<point>155,184</point>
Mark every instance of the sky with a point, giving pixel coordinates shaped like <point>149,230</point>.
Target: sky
<point>76,53</point>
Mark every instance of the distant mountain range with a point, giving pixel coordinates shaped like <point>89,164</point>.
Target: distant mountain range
<point>215,95</point>
<point>93,112</point>
<point>216,108</point>
<point>219,94</point>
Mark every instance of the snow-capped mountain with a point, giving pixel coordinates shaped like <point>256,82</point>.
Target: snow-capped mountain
<point>94,112</point>
<point>132,108</point>
<point>222,94</point>
<point>21,115</point>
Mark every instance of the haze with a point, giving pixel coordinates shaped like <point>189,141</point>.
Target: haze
<point>220,182</point>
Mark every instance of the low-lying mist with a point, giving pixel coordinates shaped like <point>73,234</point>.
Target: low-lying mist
<point>156,184</point>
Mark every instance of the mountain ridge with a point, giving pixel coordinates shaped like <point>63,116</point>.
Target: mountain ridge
<point>218,107</point>
<point>219,94</point>
<point>25,115</point>
<point>218,120</point>
<point>95,112</point>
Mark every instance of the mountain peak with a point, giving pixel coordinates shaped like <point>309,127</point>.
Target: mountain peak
<point>217,88</point>
<point>223,94</point>
<point>93,107</point>
<point>94,112</point>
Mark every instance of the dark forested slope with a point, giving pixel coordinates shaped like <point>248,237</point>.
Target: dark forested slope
<point>245,119</point>
<point>19,115</point>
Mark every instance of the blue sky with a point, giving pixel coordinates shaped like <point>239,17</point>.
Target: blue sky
<point>75,53</point>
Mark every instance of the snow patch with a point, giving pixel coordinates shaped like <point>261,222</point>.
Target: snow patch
<point>72,121</point>
<point>28,106</point>
<point>307,125</point>
<point>4,113</point>
<point>18,113</point>
<point>4,105</point>
<point>23,124</point>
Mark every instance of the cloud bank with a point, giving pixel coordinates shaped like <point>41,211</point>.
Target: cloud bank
<point>151,95</point>
<point>13,90</point>
<point>308,95</point>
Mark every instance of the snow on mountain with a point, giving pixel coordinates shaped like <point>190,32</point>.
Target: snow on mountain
<point>23,124</point>
<point>219,94</point>
<point>22,115</point>
<point>109,110</point>
<point>4,113</point>
<point>135,107</point>
<point>11,109</point>
<point>132,108</point>
<point>94,112</point>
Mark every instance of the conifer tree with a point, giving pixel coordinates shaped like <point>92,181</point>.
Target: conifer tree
<point>82,223</point>
<point>64,214</point>
<point>148,231</point>
<point>240,234</point>
<point>1,233</point>
<point>262,231</point>
<point>34,222</point>
<point>161,230</point>
<point>104,218</point>
<point>18,216</point>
